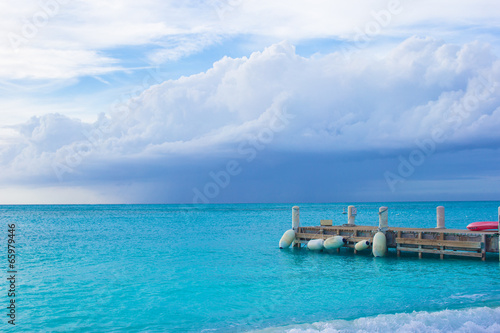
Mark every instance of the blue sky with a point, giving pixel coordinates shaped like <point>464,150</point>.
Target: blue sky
<point>249,101</point>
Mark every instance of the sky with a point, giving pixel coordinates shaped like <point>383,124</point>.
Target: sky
<point>229,101</point>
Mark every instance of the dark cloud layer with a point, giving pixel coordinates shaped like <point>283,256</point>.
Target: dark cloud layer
<point>420,122</point>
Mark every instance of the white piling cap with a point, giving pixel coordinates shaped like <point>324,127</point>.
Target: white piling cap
<point>440,217</point>
<point>383,213</point>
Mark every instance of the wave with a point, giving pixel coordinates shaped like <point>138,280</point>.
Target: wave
<point>483,319</point>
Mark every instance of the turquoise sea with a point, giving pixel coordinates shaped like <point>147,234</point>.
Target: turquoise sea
<point>218,268</point>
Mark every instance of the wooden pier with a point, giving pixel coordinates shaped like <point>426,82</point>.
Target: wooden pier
<point>453,242</point>
<point>439,240</point>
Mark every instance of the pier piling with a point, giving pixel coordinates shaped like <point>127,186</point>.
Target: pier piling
<point>383,218</point>
<point>351,215</point>
<point>295,223</point>
<point>440,217</point>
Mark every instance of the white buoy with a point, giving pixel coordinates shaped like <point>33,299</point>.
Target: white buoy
<point>440,217</point>
<point>315,244</point>
<point>362,245</point>
<point>334,242</point>
<point>379,245</point>
<point>351,214</point>
<point>295,221</point>
<point>287,239</point>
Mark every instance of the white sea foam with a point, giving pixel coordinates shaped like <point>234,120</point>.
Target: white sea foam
<point>481,320</point>
<point>469,296</point>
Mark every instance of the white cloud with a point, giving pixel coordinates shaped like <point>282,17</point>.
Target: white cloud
<point>365,104</point>
<point>16,111</point>
<point>67,39</point>
<point>60,39</point>
<point>376,98</point>
<point>30,63</point>
<point>182,46</point>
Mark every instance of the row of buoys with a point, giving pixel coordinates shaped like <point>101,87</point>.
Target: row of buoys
<point>335,242</point>
<point>331,243</point>
<point>379,244</point>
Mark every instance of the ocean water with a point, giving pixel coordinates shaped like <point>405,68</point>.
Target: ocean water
<point>218,268</point>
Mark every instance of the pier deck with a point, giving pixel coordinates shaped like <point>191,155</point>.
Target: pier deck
<point>454,242</point>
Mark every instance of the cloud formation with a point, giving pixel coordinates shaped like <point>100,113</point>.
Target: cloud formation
<point>346,108</point>
<point>70,39</point>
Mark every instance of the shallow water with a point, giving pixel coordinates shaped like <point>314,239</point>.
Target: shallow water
<point>217,268</point>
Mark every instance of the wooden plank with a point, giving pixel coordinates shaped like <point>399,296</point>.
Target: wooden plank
<point>353,240</point>
<point>437,231</point>
<point>351,229</point>
<point>447,252</point>
<point>420,245</point>
<point>426,230</point>
<point>483,247</point>
<point>311,236</point>
<point>438,242</point>
<point>302,235</point>
<point>397,245</point>
<point>441,237</point>
<point>359,238</point>
<point>326,222</point>
<point>325,236</point>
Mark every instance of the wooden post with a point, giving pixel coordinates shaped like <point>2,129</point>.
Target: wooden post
<point>441,248</point>
<point>440,217</point>
<point>420,246</point>
<point>351,214</point>
<point>383,218</point>
<point>483,247</point>
<point>295,223</point>
<point>355,235</point>
<point>398,246</point>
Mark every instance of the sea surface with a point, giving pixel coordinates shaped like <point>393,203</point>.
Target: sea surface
<point>218,268</point>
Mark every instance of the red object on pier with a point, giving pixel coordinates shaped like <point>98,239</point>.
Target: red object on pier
<point>480,226</point>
